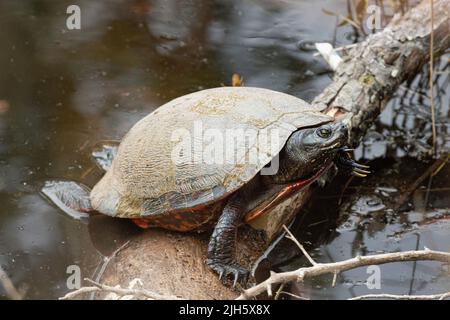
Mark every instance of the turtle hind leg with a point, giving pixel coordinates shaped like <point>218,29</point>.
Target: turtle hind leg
<point>104,154</point>
<point>222,245</point>
<point>69,196</point>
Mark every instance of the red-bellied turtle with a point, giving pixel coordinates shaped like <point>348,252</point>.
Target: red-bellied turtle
<point>214,158</point>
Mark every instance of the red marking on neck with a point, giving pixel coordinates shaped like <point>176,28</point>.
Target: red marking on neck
<point>141,222</point>
<point>283,194</point>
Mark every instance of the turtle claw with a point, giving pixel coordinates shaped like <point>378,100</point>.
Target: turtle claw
<point>358,170</point>
<point>358,165</point>
<point>236,277</point>
<point>239,273</point>
<point>346,162</point>
<point>357,174</point>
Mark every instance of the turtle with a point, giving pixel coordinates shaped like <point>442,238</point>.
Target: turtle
<point>167,171</point>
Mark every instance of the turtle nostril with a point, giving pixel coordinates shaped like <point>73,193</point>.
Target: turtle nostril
<point>344,129</point>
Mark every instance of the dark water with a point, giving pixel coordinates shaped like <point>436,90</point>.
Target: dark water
<point>61,92</point>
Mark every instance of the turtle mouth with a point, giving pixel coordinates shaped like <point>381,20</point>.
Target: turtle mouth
<point>332,146</point>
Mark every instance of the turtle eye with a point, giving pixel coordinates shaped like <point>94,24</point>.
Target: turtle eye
<point>324,132</point>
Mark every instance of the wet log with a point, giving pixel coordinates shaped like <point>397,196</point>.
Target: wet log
<point>365,80</point>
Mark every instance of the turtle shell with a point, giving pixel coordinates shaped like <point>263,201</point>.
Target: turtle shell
<point>190,152</point>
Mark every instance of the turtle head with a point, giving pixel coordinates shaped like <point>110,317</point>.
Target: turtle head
<point>313,148</point>
<point>327,138</point>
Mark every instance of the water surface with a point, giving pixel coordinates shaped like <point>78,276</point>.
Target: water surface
<point>62,91</point>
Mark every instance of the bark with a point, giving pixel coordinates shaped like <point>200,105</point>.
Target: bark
<point>369,74</point>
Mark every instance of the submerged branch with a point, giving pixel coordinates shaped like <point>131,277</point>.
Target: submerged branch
<point>439,296</point>
<point>11,291</point>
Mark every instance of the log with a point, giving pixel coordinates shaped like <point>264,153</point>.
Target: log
<point>369,74</point>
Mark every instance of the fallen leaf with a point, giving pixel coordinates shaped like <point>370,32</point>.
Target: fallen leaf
<point>237,80</point>
<point>4,106</point>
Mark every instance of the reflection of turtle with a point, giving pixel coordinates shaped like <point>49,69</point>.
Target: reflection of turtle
<point>156,182</point>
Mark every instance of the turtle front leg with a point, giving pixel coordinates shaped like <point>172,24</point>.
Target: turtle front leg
<point>345,161</point>
<point>222,245</point>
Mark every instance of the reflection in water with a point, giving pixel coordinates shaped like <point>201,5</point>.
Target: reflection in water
<point>61,92</point>
<point>365,217</point>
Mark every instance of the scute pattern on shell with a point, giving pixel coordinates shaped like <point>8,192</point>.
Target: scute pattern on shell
<point>147,180</point>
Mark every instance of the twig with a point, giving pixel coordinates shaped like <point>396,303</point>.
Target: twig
<point>441,166</point>
<point>338,267</point>
<point>333,284</point>
<point>439,296</point>
<point>302,249</point>
<point>136,293</point>
<point>279,291</point>
<point>344,188</point>
<point>411,188</point>
<point>78,292</point>
<point>433,111</point>
<point>355,24</point>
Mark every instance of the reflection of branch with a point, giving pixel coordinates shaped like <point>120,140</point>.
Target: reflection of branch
<point>337,267</point>
<point>433,108</point>
<point>11,291</point>
<point>121,292</point>
<point>439,296</point>
<point>431,171</point>
<point>350,21</point>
